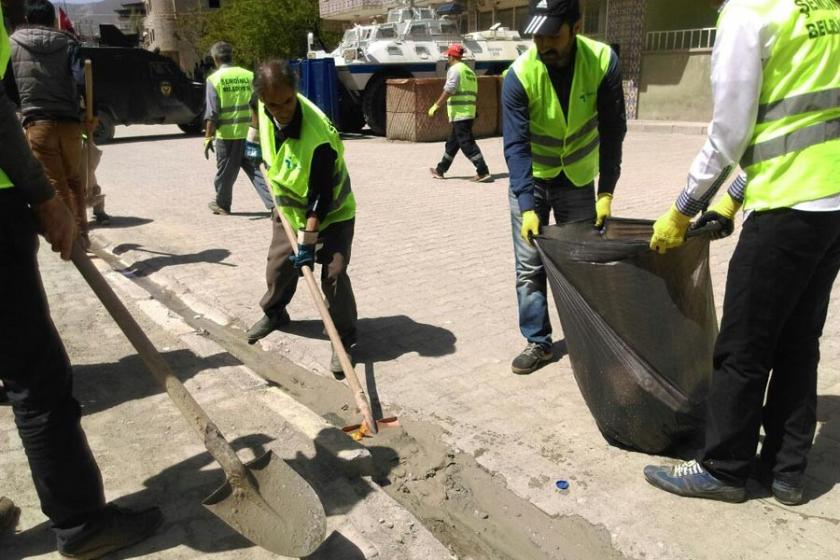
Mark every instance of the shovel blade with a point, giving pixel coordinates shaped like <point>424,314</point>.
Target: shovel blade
<point>275,508</point>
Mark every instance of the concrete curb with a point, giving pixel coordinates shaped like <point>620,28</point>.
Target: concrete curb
<point>669,127</point>
<point>353,458</point>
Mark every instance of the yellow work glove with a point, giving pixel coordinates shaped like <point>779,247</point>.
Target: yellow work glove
<point>530,225</point>
<point>669,230</point>
<point>603,208</point>
<point>433,109</point>
<point>208,147</point>
<point>722,213</point>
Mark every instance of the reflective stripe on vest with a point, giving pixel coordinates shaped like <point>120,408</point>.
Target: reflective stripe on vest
<point>290,166</point>
<point>461,105</point>
<point>5,54</point>
<point>561,144</point>
<point>794,154</point>
<point>233,87</point>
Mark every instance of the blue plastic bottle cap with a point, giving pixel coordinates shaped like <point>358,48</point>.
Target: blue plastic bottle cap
<point>562,485</point>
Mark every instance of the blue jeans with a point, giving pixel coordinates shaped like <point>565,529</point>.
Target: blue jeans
<point>230,158</point>
<point>569,204</point>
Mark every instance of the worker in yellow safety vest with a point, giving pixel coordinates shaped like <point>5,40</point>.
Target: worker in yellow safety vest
<point>227,121</point>
<point>34,367</point>
<point>311,187</point>
<point>460,93</point>
<point>564,124</point>
<point>776,92</point>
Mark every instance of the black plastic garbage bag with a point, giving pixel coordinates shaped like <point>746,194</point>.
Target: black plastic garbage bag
<point>640,329</point>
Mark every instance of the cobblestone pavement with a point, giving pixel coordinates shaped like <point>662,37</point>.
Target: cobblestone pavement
<point>148,455</point>
<point>433,274</point>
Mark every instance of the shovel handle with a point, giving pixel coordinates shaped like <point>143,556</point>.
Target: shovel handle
<point>346,365</point>
<point>195,416</point>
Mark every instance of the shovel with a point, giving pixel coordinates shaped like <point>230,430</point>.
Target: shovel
<point>265,501</point>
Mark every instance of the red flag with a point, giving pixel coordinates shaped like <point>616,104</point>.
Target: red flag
<point>64,22</point>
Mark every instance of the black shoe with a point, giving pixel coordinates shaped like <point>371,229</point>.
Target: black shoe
<point>335,363</point>
<point>212,205</point>
<point>787,493</point>
<point>267,325</point>
<point>116,528</point>
<point>531,359</point>
<point>9,515</point>
<point>101,219</point>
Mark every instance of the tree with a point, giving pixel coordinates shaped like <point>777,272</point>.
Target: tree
<point>260,29</point>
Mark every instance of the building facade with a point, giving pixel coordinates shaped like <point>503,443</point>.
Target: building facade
<point>163,30</point>
<point>664,45</point>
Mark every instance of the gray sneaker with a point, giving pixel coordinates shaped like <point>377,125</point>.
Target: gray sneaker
<point>267,325</point>
<point>216,209</point>
<point>115,529</point>
<point>335,363</point>
<point>531,359</point>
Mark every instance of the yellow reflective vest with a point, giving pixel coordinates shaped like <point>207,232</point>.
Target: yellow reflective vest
<point>5,55</point>
<point>794,153</point>
<point>290,164</point>
<point>233,88</point>
<point>461,104</point>
<point>563,143</point>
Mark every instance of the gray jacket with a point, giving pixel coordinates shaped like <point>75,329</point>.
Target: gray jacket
<point>47,71</point>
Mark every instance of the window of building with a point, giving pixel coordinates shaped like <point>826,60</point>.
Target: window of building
<point>213,3</point>
<point>595,18</point>
<point>505,17</point>
<point>520,17</point>
<point>485,20</point>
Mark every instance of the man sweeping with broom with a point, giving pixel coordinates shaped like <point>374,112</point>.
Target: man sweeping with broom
<point>311,189</point>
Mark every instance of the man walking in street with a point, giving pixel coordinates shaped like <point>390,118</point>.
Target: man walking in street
<point>460,93</point>
<point>311,185</point>
<point>34,367</point>
<point>564,123</point>
<point>776,93</point>
<point>49,73</point>
<point>227,126</point>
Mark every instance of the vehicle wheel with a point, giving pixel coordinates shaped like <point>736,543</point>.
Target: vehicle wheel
<point>373,104</point>
<point>193,128</point>
<point>104,132</point>
<point>351,115</point>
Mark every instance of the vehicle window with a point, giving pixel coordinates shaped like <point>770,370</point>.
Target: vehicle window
<point>448,28</point>
<point>419,29</point>
<point>349,36</point>
<point>160,69</point>
<point>386,32</point>
<point>426,13</point>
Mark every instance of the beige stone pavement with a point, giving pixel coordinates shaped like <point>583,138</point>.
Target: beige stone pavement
<point>432,269</point>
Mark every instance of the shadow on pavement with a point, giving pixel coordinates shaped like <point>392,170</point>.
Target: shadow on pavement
<point>180,490</point>
<point>253,215</point>
<point>382,339</point>
<point>102,386</point>
<point>118,222</point>
<point>147,138</point>
<point>153,264</point>
<point>822,474</point>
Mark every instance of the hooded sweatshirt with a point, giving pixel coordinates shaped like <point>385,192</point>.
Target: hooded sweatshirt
<point>47,70</point>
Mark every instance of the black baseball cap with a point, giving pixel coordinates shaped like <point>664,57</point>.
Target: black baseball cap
<point>548,16</point>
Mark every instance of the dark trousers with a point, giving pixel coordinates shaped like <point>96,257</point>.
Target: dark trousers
<point>230,158</point>
<point>569,204</point>
<point>461,137</point>
<point>334,257</point>
<point>36,373</point>
<point>777,293</point>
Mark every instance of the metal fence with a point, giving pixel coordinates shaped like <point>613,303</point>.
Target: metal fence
<point>681,40</point>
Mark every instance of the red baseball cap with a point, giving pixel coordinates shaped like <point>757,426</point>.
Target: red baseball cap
<point>456,50</point>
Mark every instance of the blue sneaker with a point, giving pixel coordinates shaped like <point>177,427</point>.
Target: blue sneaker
<point>691,480</point>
